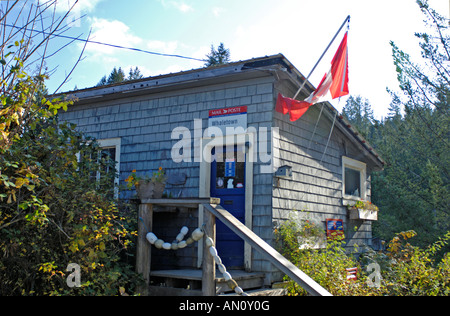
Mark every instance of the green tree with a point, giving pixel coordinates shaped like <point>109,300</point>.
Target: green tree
<point>413,190</point>
<point>118,75</point>
<point>135,74</point>
<point>359,113</point>
<point>218,57</point>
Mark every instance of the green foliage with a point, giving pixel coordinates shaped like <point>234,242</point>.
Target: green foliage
<point>218,57</point>
<point>403,269</point>
<point>415,271</point>
<point>365,205</point>
<point>157,177</point>
<point>57,202</point>
<point>118,75</point>
<point>326,266</point>
<point>359,112</point>
<point>413,190</point>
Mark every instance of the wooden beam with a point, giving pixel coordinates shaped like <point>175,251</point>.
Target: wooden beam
<point>209,266</point>
<point>311,286</point>
<point>143,247</point>
<point>182,202</point>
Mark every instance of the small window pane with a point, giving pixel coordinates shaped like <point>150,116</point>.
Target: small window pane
<point>352,182</point>
<point>108,157</point>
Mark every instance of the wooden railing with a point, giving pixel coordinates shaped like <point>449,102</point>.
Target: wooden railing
<point>217,211</point>
<point>213,210</point>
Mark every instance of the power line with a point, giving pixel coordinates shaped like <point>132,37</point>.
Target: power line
<point>109,45</point>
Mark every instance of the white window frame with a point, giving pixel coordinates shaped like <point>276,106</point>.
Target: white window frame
<point>361,167</point>
<point>113,143</point>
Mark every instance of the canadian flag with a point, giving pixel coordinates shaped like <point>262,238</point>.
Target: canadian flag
<point>333,85</point>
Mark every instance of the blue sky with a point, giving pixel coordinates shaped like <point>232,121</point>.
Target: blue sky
<point>299,29</point>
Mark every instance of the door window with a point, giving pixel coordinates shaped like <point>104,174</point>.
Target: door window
<point>230,172</point>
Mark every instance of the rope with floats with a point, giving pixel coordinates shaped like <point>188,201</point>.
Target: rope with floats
<point>197,235</point>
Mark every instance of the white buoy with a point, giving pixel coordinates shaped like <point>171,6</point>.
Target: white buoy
<point>151,238</point>
<point>184,230</point>
<point>222,268</point>
<point>180,237</point>
<point>159,243</point>
<point>213,251</point>
<point>197,234</point>
<point>227,276</point>
<point>209,242</point>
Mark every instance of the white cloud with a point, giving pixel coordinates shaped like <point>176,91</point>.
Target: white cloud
<point>179,5</point>
<point>118,33</point>
<point>183,7</point>
<point>81,6</point>
<point>201,52</point>
<point>163,47</point>
<point>110,32</point>
<point>217,11</point>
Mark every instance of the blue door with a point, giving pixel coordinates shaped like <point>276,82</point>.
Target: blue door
<point>228,184</point>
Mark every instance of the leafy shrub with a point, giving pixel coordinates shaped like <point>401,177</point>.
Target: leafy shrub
<point>403,269</point>
<point>57,203</point>
<point>416,271</point>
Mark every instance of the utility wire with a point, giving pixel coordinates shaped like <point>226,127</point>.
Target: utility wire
<point>109,45</point>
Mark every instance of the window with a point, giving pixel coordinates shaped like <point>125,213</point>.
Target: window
<point>353,179</point>
<point>230,169</point>
<point>110,149</point>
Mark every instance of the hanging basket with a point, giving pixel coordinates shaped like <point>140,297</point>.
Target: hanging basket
<point>150,190</point>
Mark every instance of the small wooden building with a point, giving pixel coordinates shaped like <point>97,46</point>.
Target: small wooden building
<point>264,168</point>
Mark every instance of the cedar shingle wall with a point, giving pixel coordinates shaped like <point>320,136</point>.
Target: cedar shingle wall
<point>145,123</point>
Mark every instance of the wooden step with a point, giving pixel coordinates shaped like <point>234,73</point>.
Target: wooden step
<point>180,281</point>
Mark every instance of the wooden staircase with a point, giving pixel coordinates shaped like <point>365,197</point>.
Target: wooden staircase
<point>208,281</point>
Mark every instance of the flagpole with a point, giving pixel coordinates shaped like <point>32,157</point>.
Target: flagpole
<point>347,20</point>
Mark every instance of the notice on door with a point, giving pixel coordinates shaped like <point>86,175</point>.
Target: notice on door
<point>230,168</point>
<point>230,120</point>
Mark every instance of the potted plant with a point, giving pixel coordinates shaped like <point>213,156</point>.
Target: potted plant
<point>148,187</point>
<point>363,210</point>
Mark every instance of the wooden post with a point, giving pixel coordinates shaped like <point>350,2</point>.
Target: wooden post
<point>209,267</point>
<point>143,247</point>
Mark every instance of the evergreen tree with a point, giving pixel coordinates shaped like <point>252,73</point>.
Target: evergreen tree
<point>218,57</point>
<point>359,113</point>
<point>118,75</point>
<point>102,82</point>
<point>134,74</point>
<point>413,190</point>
